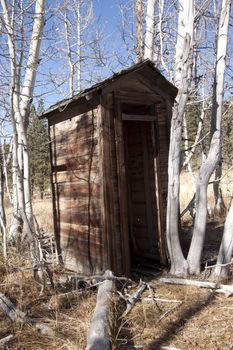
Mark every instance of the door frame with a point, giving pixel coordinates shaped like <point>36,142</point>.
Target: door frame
<point>119,118</point>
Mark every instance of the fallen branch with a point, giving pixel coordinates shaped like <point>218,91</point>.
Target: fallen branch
<point>98,337</point>
<point>217,287</point>
<point>168,312</point>
<point>57,301</point>
<point>161,300</point>
<point>96,278</point>
<point>131,300</point>
<point>5,341</point>
<point>190,207</point>
<point>90,281</point>
<point>220,265</point>
<point>15,315</point>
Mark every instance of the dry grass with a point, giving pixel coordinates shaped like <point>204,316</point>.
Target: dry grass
<point>69,320</point>
<point>44,214</point>
<point>42,210</point>
<point>202,320</point>
<point>187,190</point>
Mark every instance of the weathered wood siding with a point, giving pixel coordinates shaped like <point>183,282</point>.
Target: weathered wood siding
<point>111,207</point>
<point>76,182</point>
<point>163,134</point>
<point>92,174</point>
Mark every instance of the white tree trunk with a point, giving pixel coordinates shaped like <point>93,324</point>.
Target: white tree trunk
<point>6,162</point>
<point>207,168</point>
<point>26,98</point>
<point>139,29</point>
<point>187,161</point>
<point>2,209</point>
<point>150,29</point>
<point>69,56</point>
<point>226,248</point>
<point>183,69</point>
<point>21,97</point>
<point>79,46</point>
<point>219,208</point>
<point>161,10</point>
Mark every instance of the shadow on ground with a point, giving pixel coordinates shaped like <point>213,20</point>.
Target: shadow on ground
<point>175,327</point>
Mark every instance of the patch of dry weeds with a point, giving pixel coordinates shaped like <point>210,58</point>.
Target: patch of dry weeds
<point>69,319</point>
<point>202,320</point>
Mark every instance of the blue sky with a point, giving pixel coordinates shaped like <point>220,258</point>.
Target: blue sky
<point>107,13</point>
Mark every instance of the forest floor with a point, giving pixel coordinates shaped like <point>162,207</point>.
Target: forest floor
<point>190,318</point>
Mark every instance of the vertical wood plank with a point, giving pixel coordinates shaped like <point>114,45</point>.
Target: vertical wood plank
<point>122,185</point>
<point>104,212</point>
<point>108,186</point>
<point>168,119</point>
<point>159,201</point>
<point>55,199</point>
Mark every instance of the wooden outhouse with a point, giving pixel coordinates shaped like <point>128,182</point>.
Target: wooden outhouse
<point>109,156</point>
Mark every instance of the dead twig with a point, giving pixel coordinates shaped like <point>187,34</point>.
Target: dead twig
<point>132,299</point>
<point>221,265</point>
<point>16,315</point>
<point>168,312</point>
<point>161,300</point>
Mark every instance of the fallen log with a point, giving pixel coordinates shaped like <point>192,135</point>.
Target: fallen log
<point>15,315</point>
<point>98,333</point>
<point>217,287</point>
<point>5,341</point>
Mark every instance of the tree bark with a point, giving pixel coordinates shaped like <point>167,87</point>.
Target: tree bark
<point>219,207</point>
<point>183,69</point>
<point>2,207</point>
<point>150,29</point>
<point>21,97</point>
<point>213,158</point>
<point>79,43</point>
<point>197,243</point>
<point>139,29</point>
<point>226,248</point>
<point>69,56</point>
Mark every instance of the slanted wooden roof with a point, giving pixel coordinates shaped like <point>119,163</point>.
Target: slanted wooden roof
<point>145,68</point>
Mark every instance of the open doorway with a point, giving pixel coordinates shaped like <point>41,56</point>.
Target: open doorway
<point>140,179</point>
